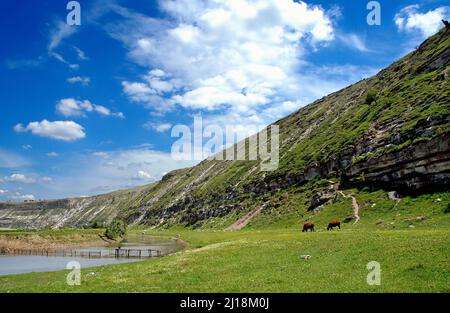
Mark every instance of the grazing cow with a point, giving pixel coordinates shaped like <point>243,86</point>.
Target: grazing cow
<point>334,224</point>
<point>307,226</point>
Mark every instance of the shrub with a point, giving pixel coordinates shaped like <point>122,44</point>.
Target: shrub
<point>95,224</point>
<point>117,228</point>
<point>371,96</point>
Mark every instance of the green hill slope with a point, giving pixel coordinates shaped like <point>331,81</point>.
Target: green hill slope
<point>388,132</point>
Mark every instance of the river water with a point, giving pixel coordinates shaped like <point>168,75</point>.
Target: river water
<point>18,264</point>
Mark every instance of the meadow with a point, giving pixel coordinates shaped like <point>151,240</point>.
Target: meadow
<point>270,261</point>
<point>410,239</point>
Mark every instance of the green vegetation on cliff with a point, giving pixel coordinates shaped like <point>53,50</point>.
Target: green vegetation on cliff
<point>341,158</point>
<point>399,119</point>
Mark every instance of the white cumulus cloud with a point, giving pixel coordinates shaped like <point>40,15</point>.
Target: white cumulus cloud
<point>19,196</point>
<point>428,23</point>
<point>20,178</point>
<point>143,175</point>
<point>78,79</point>
<point>60,130</point>
<point>73,107</point>
<point>234,55</point>
<point>159,127</point>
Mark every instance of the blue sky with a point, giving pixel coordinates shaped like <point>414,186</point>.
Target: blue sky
<point>89,109</point>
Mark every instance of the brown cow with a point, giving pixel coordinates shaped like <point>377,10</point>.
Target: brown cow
<point>334,224</point>
<point>307,226</point>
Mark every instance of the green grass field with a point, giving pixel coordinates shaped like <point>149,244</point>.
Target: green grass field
<point>270,261</point>
<point>266,256</point>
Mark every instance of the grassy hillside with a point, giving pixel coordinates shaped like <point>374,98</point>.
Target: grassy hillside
<point>401,114</point>
<point>410,238</point>
<point>387,132</point>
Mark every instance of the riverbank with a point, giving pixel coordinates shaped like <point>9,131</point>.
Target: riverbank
<point>62,247</point>
<point>38,240</point>
<point>411,260</point>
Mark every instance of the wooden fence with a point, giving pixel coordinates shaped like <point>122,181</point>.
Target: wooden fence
<point>106,253</point>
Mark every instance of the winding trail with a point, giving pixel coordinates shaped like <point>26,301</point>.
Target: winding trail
<point>355,206</point>
<point>243,221</point>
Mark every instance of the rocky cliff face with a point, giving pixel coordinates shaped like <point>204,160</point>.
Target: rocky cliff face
<point>80,212</point>
<point>418,167</point>
<point>390,131</point>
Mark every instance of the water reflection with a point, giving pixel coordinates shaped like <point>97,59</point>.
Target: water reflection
<point>17,264</point>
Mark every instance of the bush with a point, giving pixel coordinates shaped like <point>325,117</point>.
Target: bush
<point>371,96</point>
<point>117,228</point>
<point>95,225</point>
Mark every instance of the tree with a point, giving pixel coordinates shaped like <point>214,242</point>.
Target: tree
<point>117,228</point>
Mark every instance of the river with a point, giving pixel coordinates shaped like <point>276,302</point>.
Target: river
<point>18,264</point>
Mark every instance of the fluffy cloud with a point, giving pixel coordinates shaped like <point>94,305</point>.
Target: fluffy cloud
<point>154,91</point>
<point>237,55</point>
<point>53,154</point>
<point>20,178</point>
<point>234,61</point>
<point>78,79</point>
<point>60,130</point>
<point>428,23</point>
<point>72,107</point>
<point>144,175</point>
<point>3,191</point>
<point>19,196</point>
<point>159,127</point>
<point>107,112</point>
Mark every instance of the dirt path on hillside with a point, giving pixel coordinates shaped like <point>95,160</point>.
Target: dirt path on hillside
<point>243,221</point>
<point>355,206</point>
